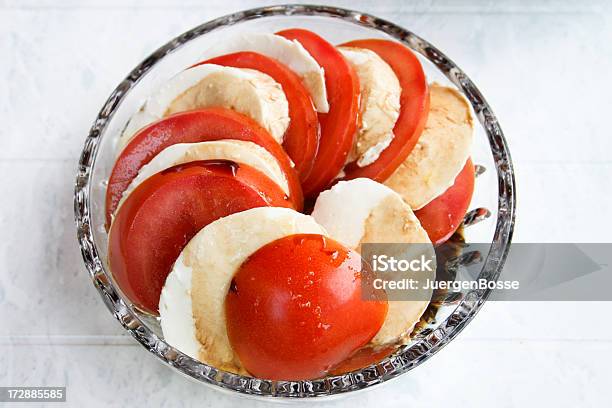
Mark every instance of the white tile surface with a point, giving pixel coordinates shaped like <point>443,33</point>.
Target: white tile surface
<point>466,373</point>
<point>542,65</point>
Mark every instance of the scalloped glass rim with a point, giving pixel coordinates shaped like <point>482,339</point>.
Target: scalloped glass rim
<point>391,367</point>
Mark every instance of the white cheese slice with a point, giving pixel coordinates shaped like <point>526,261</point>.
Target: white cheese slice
<point>378,215</point>
<point>175,310</point>
<point>290,53</point>
<point>441,151</point>
<point>379,104</point>
<point>192,302</point>
<point>246,91</point>
<point>238,151</point>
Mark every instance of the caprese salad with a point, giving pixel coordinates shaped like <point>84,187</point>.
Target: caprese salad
<point>205,202</point>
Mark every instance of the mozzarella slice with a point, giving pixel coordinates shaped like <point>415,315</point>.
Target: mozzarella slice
<point>175,311</point>
<point>380,104</point>
<point>247,91</point>
<point>440,153</point>
<point>238,151</point>
<point>192,302</point>
<point>291,53</point>
<point>377,215</point>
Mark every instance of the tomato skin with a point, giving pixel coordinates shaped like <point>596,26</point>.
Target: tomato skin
<point>191,127</point>
<point>162,214</point>
<point>442,216</point>
<point>294,309</point>
<point>414,108</point>
<point>302,137</point>
<point>339,125</point>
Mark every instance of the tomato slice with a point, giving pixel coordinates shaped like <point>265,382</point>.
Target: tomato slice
<point>162,214</point>
<point>414,107</point>
<point>442,216</point>
<point>302,137</point>
<point>295,309</point>
<point>338,126</point>
<point>191,127</point>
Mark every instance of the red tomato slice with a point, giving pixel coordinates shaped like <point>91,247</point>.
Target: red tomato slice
<point>302,137</point>
<point>295,309</point>
<point>162,214</point>
<point>414,107</point>
<point>338,126</point>
<point>442,216</point>
<point>191,127</point>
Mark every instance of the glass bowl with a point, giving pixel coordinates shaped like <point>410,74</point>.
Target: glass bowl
<point>491,219</point>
